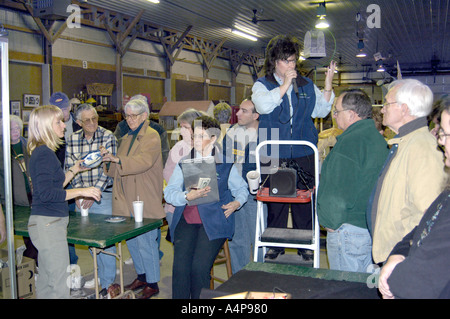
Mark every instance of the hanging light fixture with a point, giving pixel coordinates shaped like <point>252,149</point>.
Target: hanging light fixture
<point>322,23</point>
<point>361,53</point>
<point>380,67</point>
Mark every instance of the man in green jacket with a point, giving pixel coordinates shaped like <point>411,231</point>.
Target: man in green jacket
<point>348,176</point>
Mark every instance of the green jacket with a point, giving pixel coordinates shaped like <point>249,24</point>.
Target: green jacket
<point>348,175</point>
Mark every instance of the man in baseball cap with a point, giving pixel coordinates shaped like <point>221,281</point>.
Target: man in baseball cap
<point>61,100</point>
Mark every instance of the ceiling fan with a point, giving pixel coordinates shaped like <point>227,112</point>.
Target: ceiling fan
<point>316,3</point>
<point>255,19</point>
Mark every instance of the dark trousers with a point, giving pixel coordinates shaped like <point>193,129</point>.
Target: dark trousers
<point>301,213</point>
<point>194,255</point>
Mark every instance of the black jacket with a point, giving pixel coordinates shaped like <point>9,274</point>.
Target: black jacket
<point>425,271</point>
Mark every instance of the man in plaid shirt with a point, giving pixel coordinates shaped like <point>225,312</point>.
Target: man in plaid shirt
<point>80,144</point>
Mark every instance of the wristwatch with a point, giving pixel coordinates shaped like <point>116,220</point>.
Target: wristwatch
<point>185,195</point>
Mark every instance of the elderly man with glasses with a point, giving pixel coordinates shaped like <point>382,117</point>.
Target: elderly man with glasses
<point>413,174</point>
<point>82,142</point>
<point>349,173</point>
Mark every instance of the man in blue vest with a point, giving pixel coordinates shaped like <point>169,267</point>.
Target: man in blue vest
<point>287,102</point>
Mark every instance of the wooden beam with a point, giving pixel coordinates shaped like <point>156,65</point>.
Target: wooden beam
<point>171,47</point>
<point>119,38</point>
<point>93,16</point>
<point>47,33</point>
<point>208,57</point>
<point>131,26</point>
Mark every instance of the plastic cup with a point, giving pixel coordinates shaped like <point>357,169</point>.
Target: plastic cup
<point>138,208</point>
<point>253,181</point>
<point>84,212</point>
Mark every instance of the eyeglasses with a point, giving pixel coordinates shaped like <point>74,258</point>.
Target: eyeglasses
<point>335,112</point>
<point>387,104</point>
<point>442,136</point>
<point>92,120</point>
<point>287,62</point>
<point>202,136</point>
<point>132,116</point>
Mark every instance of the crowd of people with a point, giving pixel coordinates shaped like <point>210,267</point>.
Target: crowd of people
<point>380,201</point>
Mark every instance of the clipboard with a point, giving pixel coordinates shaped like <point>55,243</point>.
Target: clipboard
<point>199,173</point>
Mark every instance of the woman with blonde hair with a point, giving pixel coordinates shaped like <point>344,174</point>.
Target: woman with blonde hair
<point>49,217</point>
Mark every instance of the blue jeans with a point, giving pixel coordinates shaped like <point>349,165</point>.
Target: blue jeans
<point>72,253</point>
<point>243,242</point>
<point>106,263</point>
<point>349,248</point>
<point>144,251</point>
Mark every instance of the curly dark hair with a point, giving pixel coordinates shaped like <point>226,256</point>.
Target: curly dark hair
<point>280,47</point>
<point>209,124</point>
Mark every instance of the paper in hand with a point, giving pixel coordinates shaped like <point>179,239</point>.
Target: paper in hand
<point>203,182</point>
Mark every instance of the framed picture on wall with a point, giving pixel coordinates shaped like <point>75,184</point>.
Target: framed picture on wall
<point>15,108</point>
<point>31,100</point>
<point>26,116</point>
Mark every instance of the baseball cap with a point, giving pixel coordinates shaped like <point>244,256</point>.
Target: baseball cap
<point>60,100</point>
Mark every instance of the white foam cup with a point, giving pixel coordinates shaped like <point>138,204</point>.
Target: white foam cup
<point>253,181</point>
<point>138,208</point>
<point>84,212</point>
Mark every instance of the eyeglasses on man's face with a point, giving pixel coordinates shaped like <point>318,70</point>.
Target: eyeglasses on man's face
<point>287,61</point>
<point>442,136</point>
<point>335,112</point>
<point>92,120</point>
<point>388,103</point>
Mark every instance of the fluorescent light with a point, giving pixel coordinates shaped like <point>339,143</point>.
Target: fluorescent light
<point>244,35</point>
<point>381,68</point>
<point>361,54</point>
<point>322,23</point>
<point>154,1</point>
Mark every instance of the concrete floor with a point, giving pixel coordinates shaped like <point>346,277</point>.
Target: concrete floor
<point>165,284</point>
<point>85,262</point>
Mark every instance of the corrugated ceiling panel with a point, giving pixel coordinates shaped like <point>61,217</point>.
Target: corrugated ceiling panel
<point>412,31</point>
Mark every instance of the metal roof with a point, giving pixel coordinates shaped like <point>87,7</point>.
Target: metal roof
<point>416,33</point>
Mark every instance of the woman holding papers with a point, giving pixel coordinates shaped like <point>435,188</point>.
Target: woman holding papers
<point>199,231</point>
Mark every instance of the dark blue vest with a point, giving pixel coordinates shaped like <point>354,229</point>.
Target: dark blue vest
<point>230,148</point>
<point>213,219</point>
<point>302,127</point>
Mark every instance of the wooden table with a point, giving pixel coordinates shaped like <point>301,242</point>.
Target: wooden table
<point>95,232</point>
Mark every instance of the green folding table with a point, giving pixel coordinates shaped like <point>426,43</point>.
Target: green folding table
<point>95,232</point>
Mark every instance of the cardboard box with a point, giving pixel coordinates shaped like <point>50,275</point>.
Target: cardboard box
<point>25,278</point>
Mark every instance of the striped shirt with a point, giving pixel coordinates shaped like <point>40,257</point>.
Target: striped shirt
<point>78,147</point>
